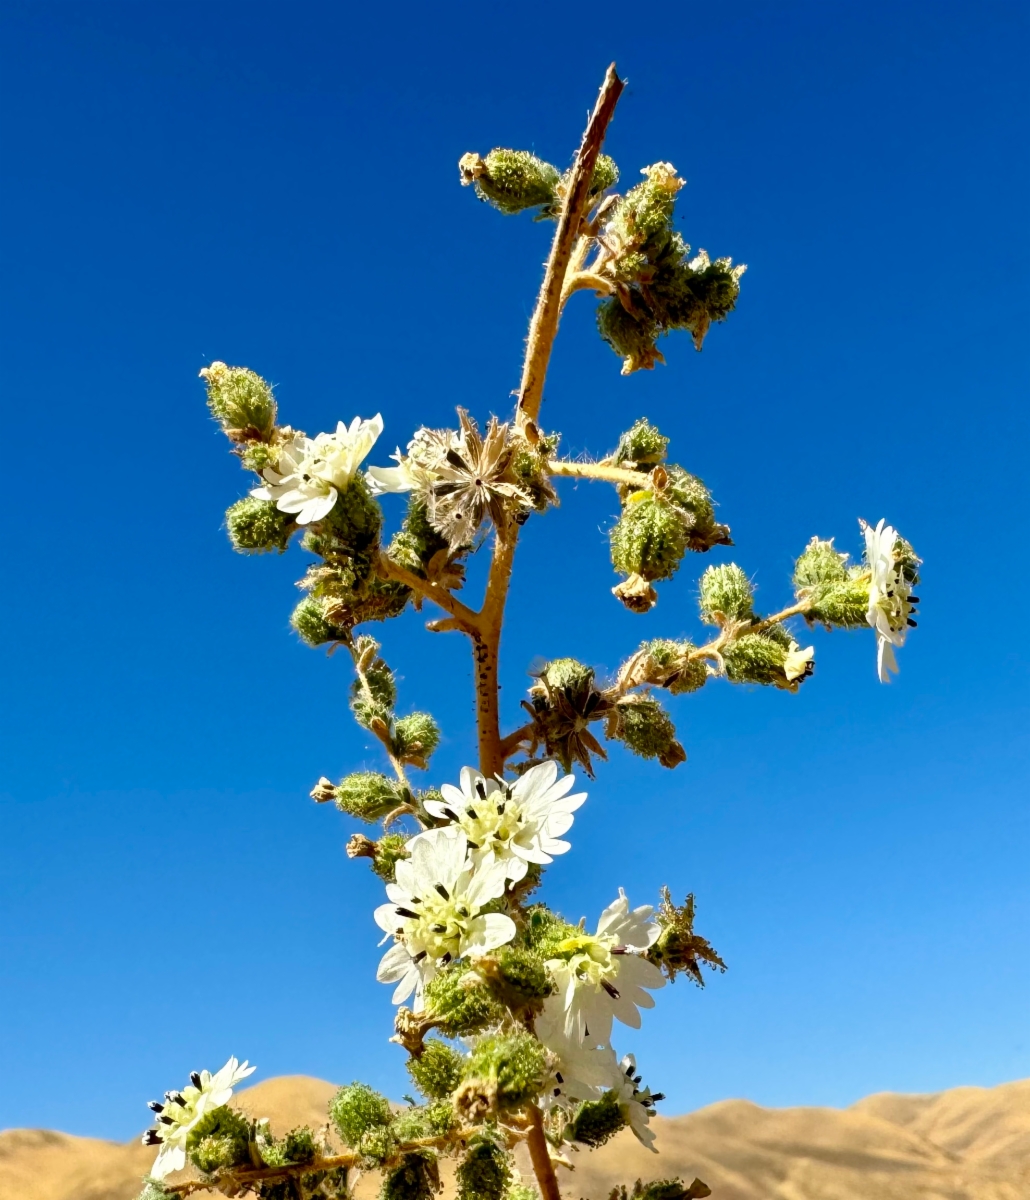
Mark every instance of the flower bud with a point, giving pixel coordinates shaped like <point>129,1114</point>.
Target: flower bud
<point>367,795</point>
<point>423,1121</point>
<point>298,1146</point>
<point>241,401</point>
<point>485,1171</point>
<point>820,566</point>
<point>460,1002</point>
<point>503,1073</point>
<point>417,1177</point>
<point>309,620</point>
<point>389,851</point>
<point>596,1121</point>
<point>517,977</point>
<point>642,445</point>
<point>647,729</point>
<point>355,520</point>
<point>511,180</point>
<point>650,537</point>
<point>257,525</point>
<point>415,737</point>
<point>221,1138</point>
<point>438,1070</point>
<point>770,657</point>
<point>633,336</point>
<point>726,594</point>
<point>357,1110</point>
<point>668,664</point>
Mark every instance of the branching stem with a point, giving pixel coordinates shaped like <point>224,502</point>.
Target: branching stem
<point>589,470</point>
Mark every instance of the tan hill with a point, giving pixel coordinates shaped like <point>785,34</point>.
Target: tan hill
<point>963,1144</point>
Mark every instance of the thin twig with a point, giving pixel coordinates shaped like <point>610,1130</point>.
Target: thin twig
<point>464,617</point>
<point>544,325</point>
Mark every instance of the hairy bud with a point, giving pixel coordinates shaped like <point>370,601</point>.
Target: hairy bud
<point>367,795</point>
<point>460,1003</point>
<point>417,1177</point>
<point>642,445</point>
<point>770,657</point>
<point>511,180</point>
<point>647,729</point>
<point>256,525</point>
<point>241,401</point>
<point>298,1146</point>
<point>415,737</point>
<point>485,1171</point>
<point>596,1121</point>
<point>360,1115</point>
<point>726,593</point>
<point>221,1138</point>
<point>312,626</point>
<point>438,1070</point>
<point>503,1073</point>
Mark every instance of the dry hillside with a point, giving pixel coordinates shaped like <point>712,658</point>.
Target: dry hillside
<point>964,1144</point>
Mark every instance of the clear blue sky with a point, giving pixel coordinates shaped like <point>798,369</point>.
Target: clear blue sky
<point>275,185</point>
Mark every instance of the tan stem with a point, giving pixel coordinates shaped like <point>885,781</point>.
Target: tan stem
<point>542,1167</point>
<point>544,325</point>
<point>512,741</point>
<point>250,1175</point>
<point>581,280</point>
<point>464,617</point>
<point>714,648</point>
<point>587,470</point>
<point>486,646</point>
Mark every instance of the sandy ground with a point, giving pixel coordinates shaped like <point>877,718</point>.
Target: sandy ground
<point>963,1144</point>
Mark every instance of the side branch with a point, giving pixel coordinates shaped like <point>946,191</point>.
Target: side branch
<point>588,470</point>
<point>544,324</point>
<point>464,617</point>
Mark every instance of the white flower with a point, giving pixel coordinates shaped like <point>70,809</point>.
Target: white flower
<point>181,1111</point>
<point>311,473</point>
<point>600,976</point>
<point>577,1072</point>
<point>891,602</point>
<point>799,663</point>
<point>435,912</point>
<point>511,823</point>
<point>636,1103</point>
<point>415,470</point>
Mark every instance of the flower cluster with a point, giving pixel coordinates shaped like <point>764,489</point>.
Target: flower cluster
<point>179,1114</point>
<point>310,473</point>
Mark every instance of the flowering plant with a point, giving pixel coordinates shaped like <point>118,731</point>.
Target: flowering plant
<point>506,1010</point>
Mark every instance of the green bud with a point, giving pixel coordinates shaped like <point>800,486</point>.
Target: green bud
<point>647,209</point>
<point>647,729</point>
<point>633,336</point>
<point>358,1111</point>
<point>694,502</point>
<point>257,525</point>
<point>669,665</point>
<point>842,604</point>
<point>255,456</point>
<point>356,519</point>
<point>596,1121</point>
<point>545,930</point>
<point>154,1189</point>
<point>511,180</point>
<point>367,795</point>
<point>221,1138</point>
<point>529,466</point>
<point>695,295</point>
<point>460,1002</point>
<point>650,537</point>
<point>642,445</point>
<point>298,1146</point>
<point>605,175</point>
<point>240,401</point>
<point>423,1121</point>
<point>502,1073</point>
<point>415,737</point>
<point>517,977</point>
<point>485,1171</point>
<point>374,697</point>
<point>757,658</point>
<point>309,621</point>
<point>389,851</point>
<point>417,1177</point>
<point>819,566</point>
<point>417,542</point>
<point>726,592</point>
<point>438,1070</point>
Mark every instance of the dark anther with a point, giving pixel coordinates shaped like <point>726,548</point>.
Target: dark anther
<point>151,1138</point>
<point>481,789</point>
<point>446,958</point>
<point>637,1078</point>
<point>913,599</point>
<point>620,950</point>
<point>912,623</point>
<point>557,1091</point>
<point>437,928</point>
<point>557,1076</point>
<point>155,1106</point>
<point>165,1120</point>
<point>195,1078</point>
<point>500,807</point>
<point>472,813</point>
<point>443,891</point>
<point>406,912</point>
<point>613,992</point>
<point>418,957</point>
<point>463,912</point>
<point>658,1096</point>
<point>629,1072</point>
<point>473,845</point>
<point>447,812</point>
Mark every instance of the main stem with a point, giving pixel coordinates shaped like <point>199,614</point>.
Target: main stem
<point>486,635</point>
<point>542,1168</point>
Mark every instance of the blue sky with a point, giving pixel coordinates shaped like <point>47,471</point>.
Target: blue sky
<point>274,185</point>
